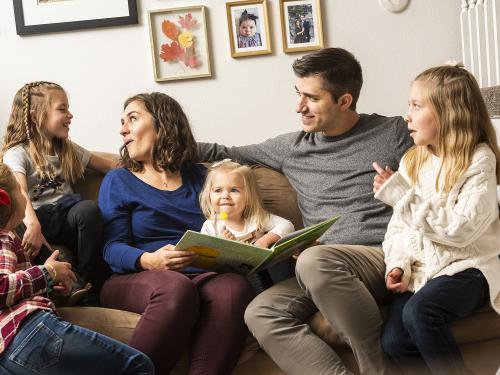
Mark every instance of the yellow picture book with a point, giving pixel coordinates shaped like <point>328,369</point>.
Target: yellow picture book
<point>223,255</point>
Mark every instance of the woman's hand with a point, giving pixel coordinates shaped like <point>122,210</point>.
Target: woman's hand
<point>168,258</point>
<point>394,281</point>
<point>33,239</point>
<point>60,273</point>
<point>381,177</point>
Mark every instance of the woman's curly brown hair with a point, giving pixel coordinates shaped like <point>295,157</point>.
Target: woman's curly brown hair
<point>175,147</point>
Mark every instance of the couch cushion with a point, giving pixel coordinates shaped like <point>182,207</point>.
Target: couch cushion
<point>110,322</point>
<point>120,325</point>
<point>484,324</point>
<point>277,195</point>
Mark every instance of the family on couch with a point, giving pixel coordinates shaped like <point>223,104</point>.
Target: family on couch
<point>442,241</point>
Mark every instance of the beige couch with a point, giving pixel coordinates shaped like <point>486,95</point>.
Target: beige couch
<point>478,335</point>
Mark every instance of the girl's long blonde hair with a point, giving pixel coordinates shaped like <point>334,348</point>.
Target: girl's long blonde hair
<point>462,120</point>
<point>25,127</point>
<point>253,206</point>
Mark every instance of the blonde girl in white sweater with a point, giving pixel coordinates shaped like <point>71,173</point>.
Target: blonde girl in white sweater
<point>442,245</point>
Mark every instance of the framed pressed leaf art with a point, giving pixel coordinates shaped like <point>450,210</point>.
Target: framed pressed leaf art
<point>179,43</point>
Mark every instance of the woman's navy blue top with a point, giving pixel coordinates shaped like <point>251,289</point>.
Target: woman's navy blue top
<point>139,218</point>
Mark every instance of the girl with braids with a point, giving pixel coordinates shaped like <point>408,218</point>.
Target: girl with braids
<point>45,163</point>
<point>147,206</point>
<point>442,244</point>
<point>247,31</point>
<point>32,338</point>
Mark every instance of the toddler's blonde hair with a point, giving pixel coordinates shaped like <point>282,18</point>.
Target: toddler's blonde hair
<point>253,206</point>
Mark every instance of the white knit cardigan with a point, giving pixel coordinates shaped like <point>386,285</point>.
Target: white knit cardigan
<point>434,233</point>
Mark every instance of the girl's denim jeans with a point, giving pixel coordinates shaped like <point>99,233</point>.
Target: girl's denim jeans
<point>418,324</point>
<point>46,344</point>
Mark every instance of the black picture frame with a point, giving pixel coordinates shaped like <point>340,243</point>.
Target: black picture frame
<point>23,29</point>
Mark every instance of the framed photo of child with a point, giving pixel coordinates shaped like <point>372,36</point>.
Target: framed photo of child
<point>248,26</point>
<point>301,26</point>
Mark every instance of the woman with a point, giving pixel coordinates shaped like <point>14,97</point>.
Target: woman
<point>147,206</point>
<point>299,32</point>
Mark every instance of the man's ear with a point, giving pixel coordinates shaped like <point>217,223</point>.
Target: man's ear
<point>345,101</point>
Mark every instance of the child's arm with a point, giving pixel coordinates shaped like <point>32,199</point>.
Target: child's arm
<point>33,238</point>
<point>267,240</point>
<point>101,164</point>
<point>275,228</point>
<point>17,284</point>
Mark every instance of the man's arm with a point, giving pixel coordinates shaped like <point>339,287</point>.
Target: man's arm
<point>270,153</point>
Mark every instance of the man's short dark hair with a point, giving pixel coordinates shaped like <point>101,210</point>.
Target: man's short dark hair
<point>339,69</point>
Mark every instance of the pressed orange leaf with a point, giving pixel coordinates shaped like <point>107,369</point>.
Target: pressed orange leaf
<point>170,29</point>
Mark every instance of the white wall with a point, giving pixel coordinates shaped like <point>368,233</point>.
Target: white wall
<point>247,99</point>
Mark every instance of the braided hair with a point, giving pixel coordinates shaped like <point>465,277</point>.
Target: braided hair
<point>29,112</point>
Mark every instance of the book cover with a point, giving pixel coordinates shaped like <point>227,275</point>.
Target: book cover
<point>223,255</point>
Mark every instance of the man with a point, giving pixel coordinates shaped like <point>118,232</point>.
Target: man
<point>329,163</point>
<point>306,26</point>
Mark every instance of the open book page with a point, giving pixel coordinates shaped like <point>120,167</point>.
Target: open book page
<point>223,255</point>
<point>297,240</point>
<point>220,254</point>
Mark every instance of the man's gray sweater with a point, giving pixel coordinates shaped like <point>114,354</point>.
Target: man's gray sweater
<point>332,175</point>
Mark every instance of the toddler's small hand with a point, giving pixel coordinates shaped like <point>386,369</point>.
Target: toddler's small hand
<point>226,233</point>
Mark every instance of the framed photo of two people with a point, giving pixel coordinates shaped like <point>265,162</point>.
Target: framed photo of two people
<point>301,26</point>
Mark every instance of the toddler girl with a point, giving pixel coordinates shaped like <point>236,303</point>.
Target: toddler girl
<point>45,163</point>
<point>32,337</point>
<point>247,31</point>
<point>231,202</point>
<point>443,241</point>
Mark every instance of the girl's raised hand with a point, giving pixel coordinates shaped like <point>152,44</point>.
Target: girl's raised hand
<point>168,258</point>
<point>381,177</point>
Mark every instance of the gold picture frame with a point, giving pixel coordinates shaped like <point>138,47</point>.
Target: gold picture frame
<point>301,26</point>
<point>248,26</point>
<point>179,43</point>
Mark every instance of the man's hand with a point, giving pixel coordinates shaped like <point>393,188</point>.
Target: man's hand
<point>394,281</point>
<point>381,177</point>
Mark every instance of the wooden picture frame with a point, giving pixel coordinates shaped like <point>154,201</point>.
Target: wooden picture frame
<point>47,16</point>
<point>301,26</point>
<point>248,26</point>
<point>179,43</point>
